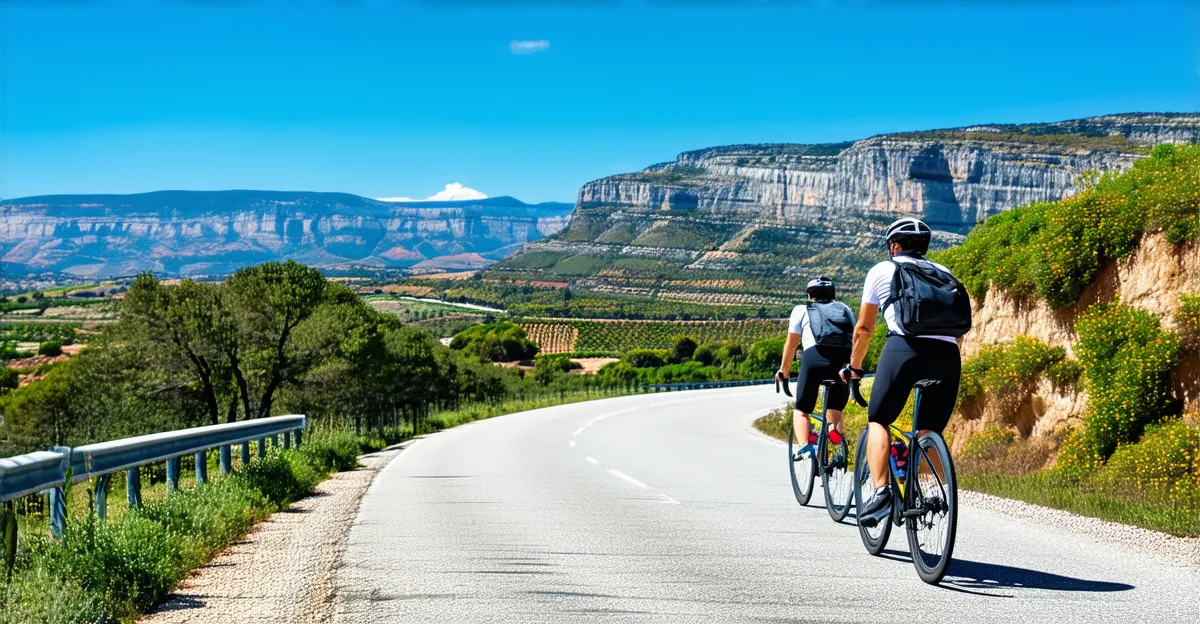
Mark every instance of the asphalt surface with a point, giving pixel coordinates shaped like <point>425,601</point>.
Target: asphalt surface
<point>666,508</point>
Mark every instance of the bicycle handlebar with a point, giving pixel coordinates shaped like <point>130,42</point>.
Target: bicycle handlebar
<point>856,393</point>
<point>786,390</point>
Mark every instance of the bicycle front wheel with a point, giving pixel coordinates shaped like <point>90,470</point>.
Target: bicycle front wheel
<point>803,471</point>
<point>837,476</point>
<point>876,537</point>
<point>935,495</point>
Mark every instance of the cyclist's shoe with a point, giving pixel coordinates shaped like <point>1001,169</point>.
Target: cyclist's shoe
<point>876,508</point>
<point>807,450</point>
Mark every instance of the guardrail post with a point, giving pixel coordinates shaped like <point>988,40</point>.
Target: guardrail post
<point>358,426</point>
<point>299,435</point>
<point>58,511</point>
<point>226,460</point>
<point>275,440</point>
<point>262,448</point>
<point>287,439</point>
<point>245,452</point>
<point>172,474</point>
<point>201,468</point>
<point>133,487</point>
<point>102,498</point>
<point>58,499</point>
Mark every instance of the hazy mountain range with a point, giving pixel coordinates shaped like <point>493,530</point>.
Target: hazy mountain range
<point>215,232</point>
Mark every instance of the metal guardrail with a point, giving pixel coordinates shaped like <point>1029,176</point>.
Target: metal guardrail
<point>48,470</point>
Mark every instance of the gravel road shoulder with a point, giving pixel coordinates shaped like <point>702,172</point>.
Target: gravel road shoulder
<point>282,571</point>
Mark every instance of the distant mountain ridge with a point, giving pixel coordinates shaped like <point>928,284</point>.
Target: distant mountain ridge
<point>216,232</point>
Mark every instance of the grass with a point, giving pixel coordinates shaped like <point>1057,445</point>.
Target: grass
<point>112,572</point>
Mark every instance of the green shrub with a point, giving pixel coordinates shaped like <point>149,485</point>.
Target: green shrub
<point>1055,250</point>
<point>333,451</point>
<point>989,443</point>
<point>1128,358</point>
<point>645,358</point>
<point>682,348</point>
<point>1065,374</point>
<point>878,341</point>
<point>705,354</point>
<point>495,342</point>
<point>763,357</point>
<point>1187,321</point>
<point>1004,368</point>
<point>1164,465</point>
<point>280,478</point>
<point>51,348</point>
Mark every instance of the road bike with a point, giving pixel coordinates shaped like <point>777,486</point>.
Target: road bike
<point>927,505</point>
<point>831,461</point>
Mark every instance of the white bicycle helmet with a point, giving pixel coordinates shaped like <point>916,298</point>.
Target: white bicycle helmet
<point>910,232</point>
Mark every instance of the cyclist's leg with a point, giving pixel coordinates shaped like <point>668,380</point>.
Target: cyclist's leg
<point>839,393</point>
<point>941,361</point>
<point>894,379</point>
<point>808,387</point>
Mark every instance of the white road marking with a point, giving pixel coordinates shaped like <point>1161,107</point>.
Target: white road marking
<point>577,431</point>
<point>624,477</point>
<point>593,461</point>
<point>668,499</point>
<point>571,443</point>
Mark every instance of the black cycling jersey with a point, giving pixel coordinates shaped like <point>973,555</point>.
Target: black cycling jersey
<point>818,364</point>
<point>905,361</point>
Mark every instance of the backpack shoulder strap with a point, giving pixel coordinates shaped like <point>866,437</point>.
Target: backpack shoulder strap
<point>891,296</point>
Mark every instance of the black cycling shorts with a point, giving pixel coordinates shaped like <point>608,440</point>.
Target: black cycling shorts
<point>904,362</point>
<point>818,364</point>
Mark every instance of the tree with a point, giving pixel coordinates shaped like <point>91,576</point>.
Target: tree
<point>705,355</point>
<point>683,348</point>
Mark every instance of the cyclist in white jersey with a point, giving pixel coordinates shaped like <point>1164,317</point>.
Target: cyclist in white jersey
<point>905,360</point>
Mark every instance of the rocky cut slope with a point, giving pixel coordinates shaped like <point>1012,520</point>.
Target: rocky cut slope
<point>216,232</point>
<point>795,210</point>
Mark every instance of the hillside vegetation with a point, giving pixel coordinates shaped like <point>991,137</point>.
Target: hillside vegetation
<point>1132,454</point>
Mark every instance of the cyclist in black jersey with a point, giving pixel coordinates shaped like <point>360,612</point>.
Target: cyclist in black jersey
<point>905,360</point>
<point>823,328</point>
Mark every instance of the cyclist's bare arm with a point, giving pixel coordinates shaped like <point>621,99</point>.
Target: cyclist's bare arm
<point>789,353</point>
<point>867,314</point>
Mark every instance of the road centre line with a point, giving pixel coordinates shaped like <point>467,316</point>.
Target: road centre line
<point>624,477</point>
<point>592,460</point>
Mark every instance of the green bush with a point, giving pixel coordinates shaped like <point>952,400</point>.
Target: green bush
<point>333,451</point>
<point>1055,250</point>
<point>51,348</point>
<point>682,348</point>
<point>1004,368</point>
<point>1187,321</point>
<point>646,358</point>
<point>1164,465</point>
<point>1128,358</point>
<point>763,357</point>
<point>495,342</point>
<point>1065,374</point>
<point>705,354</point>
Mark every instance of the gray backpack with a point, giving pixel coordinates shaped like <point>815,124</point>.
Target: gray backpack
<point>832,324</point>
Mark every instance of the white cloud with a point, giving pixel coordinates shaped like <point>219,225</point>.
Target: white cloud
<point>453,192</point>
<point>522,46</point>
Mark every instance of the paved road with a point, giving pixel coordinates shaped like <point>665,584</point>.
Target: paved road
<point>665,508</point>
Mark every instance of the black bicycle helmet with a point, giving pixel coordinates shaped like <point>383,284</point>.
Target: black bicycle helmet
<point>912,234</point>
<point>820,289</point>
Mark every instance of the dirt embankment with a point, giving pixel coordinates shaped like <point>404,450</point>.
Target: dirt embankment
<point>1151,278</point>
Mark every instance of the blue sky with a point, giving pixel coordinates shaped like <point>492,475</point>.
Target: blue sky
<point>394,97</point>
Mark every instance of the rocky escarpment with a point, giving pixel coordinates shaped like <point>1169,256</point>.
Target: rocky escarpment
<point>1151,278</point>
<point>952,178</point>
<point>779,213</point>
<point>201,232</point>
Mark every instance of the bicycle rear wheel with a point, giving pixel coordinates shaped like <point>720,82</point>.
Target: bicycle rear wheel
<point>804,472</point>
<point>837,476</point>
<point>931,534</point>
<point>876,537</point>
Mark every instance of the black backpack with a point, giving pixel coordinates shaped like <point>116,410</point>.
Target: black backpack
<point>928,301</point>
<point>831,323</point>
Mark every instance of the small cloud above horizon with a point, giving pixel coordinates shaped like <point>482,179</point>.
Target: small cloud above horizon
<point>453,192</point>
<point>525,46</point>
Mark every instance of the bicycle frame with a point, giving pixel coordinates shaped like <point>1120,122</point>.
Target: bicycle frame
<point>903,493</point>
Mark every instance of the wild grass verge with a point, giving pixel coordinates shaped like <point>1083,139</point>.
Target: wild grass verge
<point>112,572</point>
